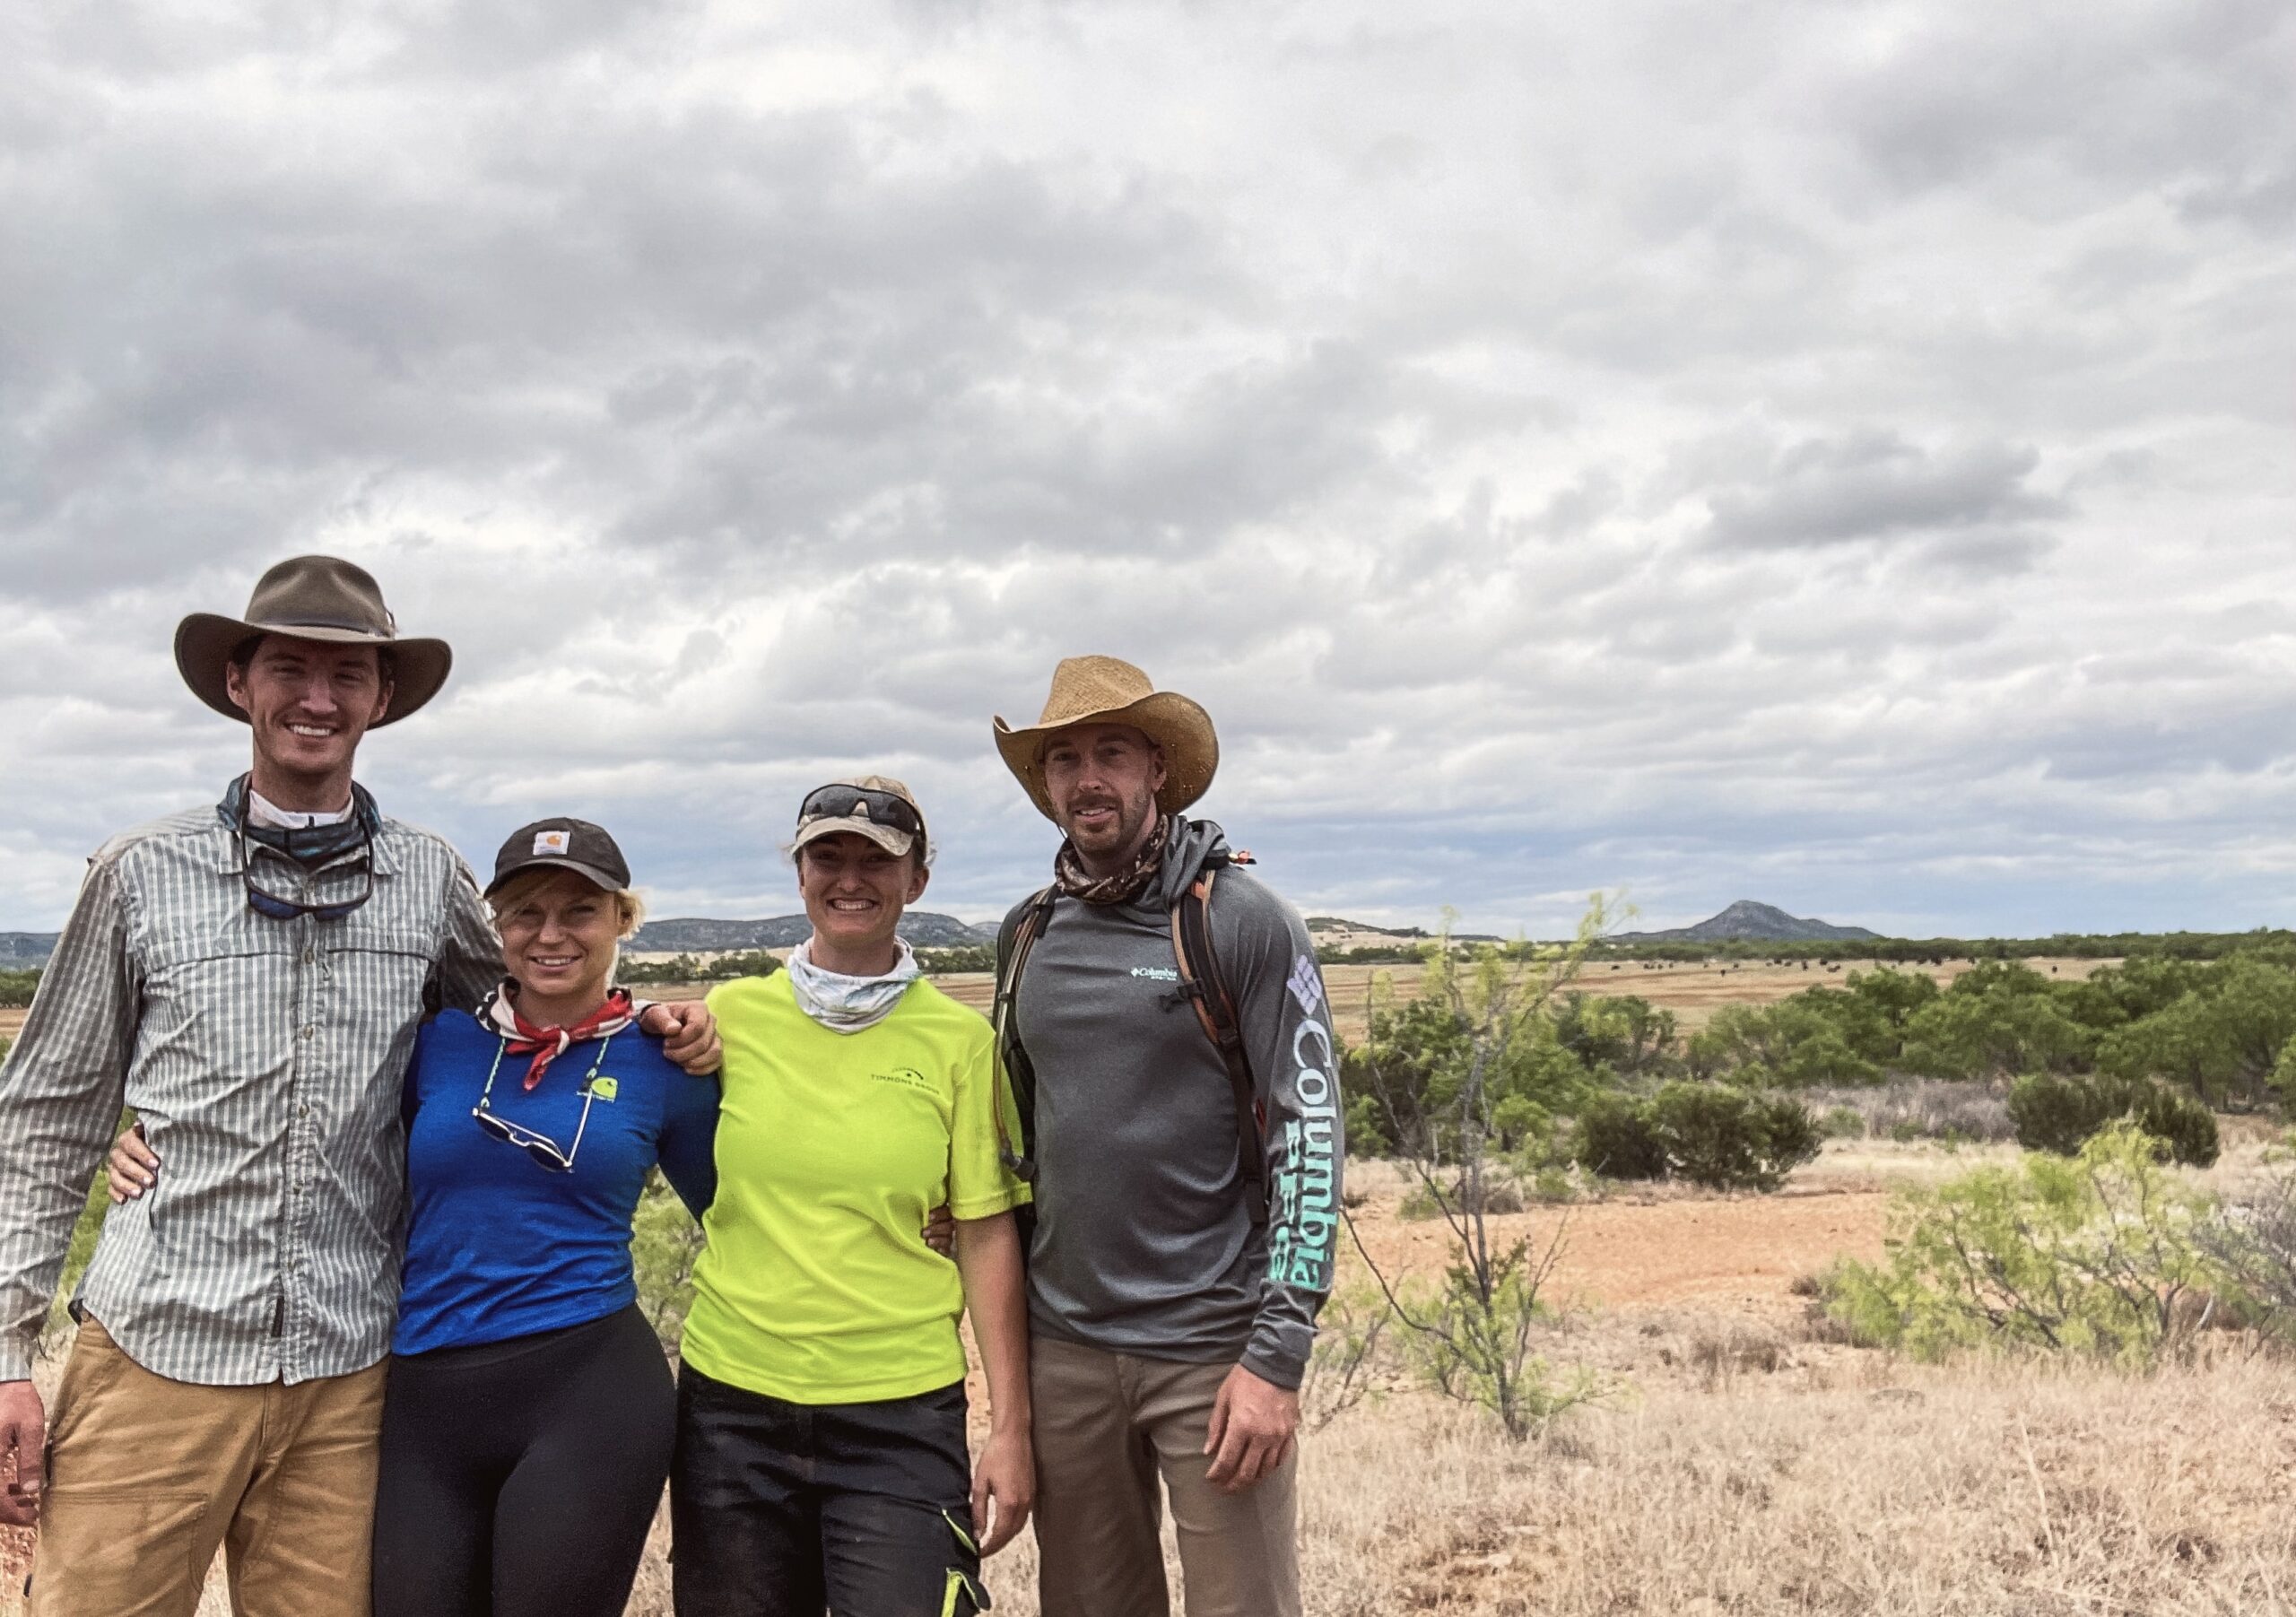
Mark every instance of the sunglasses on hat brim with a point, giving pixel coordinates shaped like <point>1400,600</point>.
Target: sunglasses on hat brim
<point>845,802</point>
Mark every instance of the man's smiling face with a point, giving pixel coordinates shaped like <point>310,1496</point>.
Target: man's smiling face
<point>1102,780</point>
<point>308,703</point>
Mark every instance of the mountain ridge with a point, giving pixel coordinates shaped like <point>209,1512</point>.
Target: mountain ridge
<point>696,935</point>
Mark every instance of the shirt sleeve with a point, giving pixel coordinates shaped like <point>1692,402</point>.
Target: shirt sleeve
<point>61,1091</point>
<point>470,953</point>
<point>980,1186</point>
<point>1285,1021</point>
<point>689,1147</point>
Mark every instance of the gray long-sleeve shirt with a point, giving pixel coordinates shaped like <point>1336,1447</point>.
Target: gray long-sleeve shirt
<point>1144,1243</point>
<point>265,1058</point>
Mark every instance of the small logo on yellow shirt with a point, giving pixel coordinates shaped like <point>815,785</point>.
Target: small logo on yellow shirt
<point>907,1077</point>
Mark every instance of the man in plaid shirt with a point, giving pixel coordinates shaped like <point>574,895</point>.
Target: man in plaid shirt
<point>249,978</point>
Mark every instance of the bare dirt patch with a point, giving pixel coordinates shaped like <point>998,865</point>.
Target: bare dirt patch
<point>1740,1252</point>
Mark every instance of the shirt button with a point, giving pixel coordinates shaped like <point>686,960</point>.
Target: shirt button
<point>309,1031</point>
<point>302,1111</point>
<point>310,955</point>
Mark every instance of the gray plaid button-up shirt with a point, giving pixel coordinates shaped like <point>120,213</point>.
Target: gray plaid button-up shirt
<point>265,1058</point>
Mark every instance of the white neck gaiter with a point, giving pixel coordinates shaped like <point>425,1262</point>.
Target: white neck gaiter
<point>262,811</point>
<point>846,1005</point>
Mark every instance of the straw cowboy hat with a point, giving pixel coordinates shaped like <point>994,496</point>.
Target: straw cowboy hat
<point>311,598</point>
<point>1101,690</point>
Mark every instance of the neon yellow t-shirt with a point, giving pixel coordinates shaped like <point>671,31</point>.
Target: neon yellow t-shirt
<point>816,1286</point>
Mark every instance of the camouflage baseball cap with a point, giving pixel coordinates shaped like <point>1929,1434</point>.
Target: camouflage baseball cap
<point>875,806</point>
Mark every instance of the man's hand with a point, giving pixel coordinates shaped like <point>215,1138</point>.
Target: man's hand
<point>23,1439</point>
<point>1005,1472</point>
<point>133,1168</point>
<point>689,1035</point>
<point>940,1229</point>
<point>1252,1424</point>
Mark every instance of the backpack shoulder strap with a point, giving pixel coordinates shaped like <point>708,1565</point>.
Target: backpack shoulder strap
<point>1205,988</point>
<point>1013,955</point>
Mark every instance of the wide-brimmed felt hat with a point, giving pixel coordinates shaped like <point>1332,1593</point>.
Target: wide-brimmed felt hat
<point>868,806</point>
<point>1108,691</point>
<point>311,598</point>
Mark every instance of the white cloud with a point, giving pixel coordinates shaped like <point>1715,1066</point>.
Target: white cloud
<point>1835,457</point>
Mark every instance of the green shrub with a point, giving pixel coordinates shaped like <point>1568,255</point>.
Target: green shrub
<point>2061,1114</point>
<point>1407,1076</point>
<point>964,957</point>
<point>664,1242</point>
<point>2091,1255</point>
<point>1713,1134</point>
<point>1729,1139</point>
<point>1615,1138</point>
<point>1843,1123</point>
<point>17,988</point>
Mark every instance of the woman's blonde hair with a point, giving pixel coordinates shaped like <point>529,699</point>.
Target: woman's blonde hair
<point>523,886</point>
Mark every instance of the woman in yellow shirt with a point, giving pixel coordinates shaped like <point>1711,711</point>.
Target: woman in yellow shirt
<point>822,1459</point>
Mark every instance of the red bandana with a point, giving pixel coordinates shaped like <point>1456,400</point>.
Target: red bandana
<point>546,1045</point>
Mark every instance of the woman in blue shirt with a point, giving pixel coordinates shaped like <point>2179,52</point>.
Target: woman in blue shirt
<point>530,1417</point>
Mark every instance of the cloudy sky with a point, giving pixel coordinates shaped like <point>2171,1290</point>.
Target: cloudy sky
<point>1839,456</point>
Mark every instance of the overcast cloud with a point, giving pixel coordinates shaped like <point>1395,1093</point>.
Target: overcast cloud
<point>1835,456</point>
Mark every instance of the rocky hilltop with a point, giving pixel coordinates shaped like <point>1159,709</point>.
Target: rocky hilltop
<point>1746,919</point>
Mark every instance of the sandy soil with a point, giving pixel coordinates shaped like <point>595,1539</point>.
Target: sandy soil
<point>1739,1254</point>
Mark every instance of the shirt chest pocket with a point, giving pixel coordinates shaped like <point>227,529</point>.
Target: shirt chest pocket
<point>376,973</point>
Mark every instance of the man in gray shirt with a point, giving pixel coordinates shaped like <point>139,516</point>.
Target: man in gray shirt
<point>1187,1210</point>
<point>248,976</point>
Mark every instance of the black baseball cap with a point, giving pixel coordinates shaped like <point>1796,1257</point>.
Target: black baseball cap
<point>574,845</point>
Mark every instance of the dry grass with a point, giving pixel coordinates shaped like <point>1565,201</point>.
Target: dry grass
<point>1742,1464</point>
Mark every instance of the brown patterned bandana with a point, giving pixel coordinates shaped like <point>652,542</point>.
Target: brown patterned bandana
<point>1127,884</point>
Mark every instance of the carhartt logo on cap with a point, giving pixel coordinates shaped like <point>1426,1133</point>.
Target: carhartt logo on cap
<point>550,842</point>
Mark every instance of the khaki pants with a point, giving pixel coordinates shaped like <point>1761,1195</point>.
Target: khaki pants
<point>1108,1427</point>
<point>147,1476</point>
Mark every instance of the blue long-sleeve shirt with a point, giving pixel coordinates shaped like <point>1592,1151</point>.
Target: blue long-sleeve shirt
<point>497,1246</point>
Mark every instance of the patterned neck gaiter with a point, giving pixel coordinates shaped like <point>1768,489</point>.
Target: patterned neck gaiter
<point>1127,884</point>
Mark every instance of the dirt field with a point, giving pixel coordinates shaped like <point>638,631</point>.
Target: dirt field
<point>11,1021</point>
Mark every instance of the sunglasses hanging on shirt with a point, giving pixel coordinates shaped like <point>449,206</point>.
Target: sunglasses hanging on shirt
<point>311,849</point>
<point>545,1152</point>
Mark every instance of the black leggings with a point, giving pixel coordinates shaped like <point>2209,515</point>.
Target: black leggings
<point>520,1478</point>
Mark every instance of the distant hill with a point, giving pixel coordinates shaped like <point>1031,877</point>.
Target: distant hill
<point>21,951</point>
<point>695,937</point>
<point>1746,919</point>
<point>1333,932</point>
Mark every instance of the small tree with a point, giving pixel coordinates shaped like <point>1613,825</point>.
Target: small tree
<point>1469,1336</point>
<point>2095,1254</point>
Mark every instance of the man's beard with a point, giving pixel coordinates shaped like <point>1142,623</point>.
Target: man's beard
<point>1132,819</point>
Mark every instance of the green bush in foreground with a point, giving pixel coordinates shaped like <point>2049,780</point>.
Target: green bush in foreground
<point>2096,1254</point>
<point>2061,1114</point>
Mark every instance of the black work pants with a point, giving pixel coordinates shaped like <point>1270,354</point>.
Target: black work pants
<point>520,1478</point>
<point>784,1510</point>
